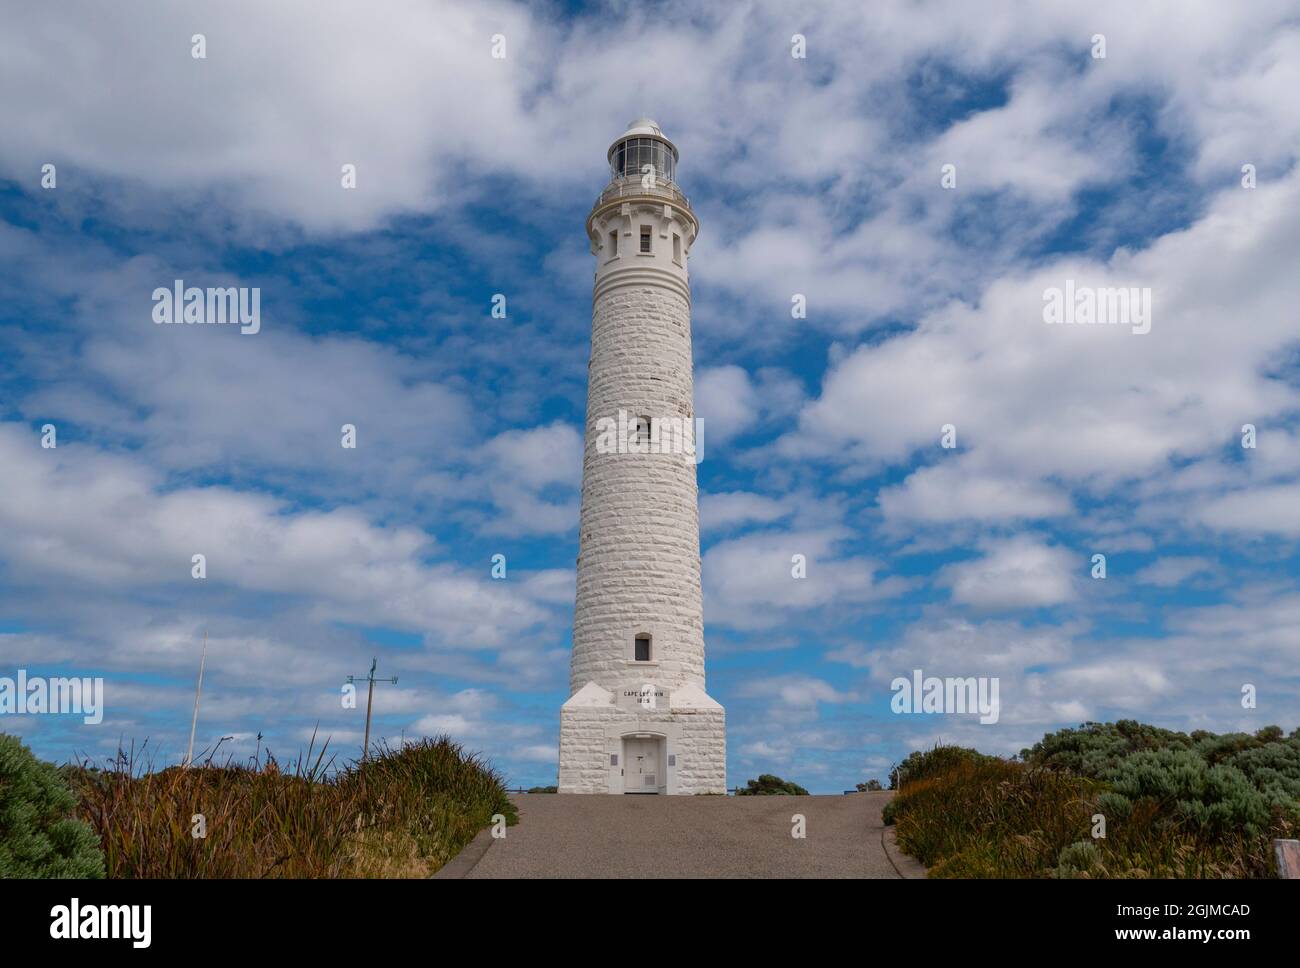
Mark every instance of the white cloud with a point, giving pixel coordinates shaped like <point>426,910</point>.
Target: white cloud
<point>794,690</point>
<point>539,455</point>
<point>749,581</point>
<point>520,466</point>
<point>719,511</point>
<point>830,199</point>
<point>289,93</point>
<point>1090,407</point>
<point>952,491</point>
<point>73,514</point>
<point>725,401</point>
<point>1173,570</point>
<point>1017,572</point>
<point>942,645</point>
<point>1261,510</point>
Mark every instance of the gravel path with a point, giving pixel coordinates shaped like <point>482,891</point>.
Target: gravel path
<point>649,836</point>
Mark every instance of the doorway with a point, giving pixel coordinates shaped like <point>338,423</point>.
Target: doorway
<point>641,771</point>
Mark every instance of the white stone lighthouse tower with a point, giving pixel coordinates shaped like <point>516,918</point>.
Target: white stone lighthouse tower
<point>638,719</point>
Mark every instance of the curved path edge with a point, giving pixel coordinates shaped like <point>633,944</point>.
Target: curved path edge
<point>908,867</point>
<point>460,866</point>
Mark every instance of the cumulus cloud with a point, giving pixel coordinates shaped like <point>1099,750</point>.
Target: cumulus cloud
<point>1172,570</point>
<point>1094,406</point>
<point>75,514</point>
<point>719,511</point>
<point>950,492</point>
<point>725,400</point>
<point>750,581</point>
<point>1260,510</point>
<point>1018,572</point>
<point>794,691</point>
<point>924,309</point>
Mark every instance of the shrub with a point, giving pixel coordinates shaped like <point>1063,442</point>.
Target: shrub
<point>1079,859</point>
<point>986,817</point>
<point>870,786</point>
<point>1095,749</point>
<point>39,836</point>
<point>1210,799</point>
<point>404,813</point>
<point>926,763</point>
<point>1272,767</point>
<point>769,785</point>
<point>1175,805</point>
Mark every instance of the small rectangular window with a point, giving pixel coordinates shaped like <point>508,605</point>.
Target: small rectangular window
<point>643,648</point>
<point>645,238</point>
<point>613,244</point>
<point>677,248</point>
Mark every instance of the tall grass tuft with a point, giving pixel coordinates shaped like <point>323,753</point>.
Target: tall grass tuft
<point>404,813</point>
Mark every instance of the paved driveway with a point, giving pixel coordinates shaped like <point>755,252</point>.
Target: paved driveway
<point>656,836</point>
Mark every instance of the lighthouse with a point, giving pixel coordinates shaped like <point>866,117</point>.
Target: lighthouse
<point>638,719</point>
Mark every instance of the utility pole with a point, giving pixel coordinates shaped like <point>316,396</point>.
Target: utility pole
<point>370,699</point>
<point>197,690</point>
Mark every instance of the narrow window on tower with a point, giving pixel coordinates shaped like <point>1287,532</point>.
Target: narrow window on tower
<point>677,248</point>
<point>643,430</point>
<point>613,244</point>
<point>645,239</point>
<point>643,648</point>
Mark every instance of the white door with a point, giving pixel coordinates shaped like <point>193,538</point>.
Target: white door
<point>641,765</point>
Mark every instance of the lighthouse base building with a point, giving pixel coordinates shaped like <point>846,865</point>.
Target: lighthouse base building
<point>638,719</point>
<point>613,743</point>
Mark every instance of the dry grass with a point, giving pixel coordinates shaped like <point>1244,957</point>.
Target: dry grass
<point>405,814</point>
<point>999,818</point>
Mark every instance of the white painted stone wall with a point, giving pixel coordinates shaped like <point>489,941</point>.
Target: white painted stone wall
<point>639,559</point>
<point>696,737</point>
<point>584,762</point>
<point>639,543</point>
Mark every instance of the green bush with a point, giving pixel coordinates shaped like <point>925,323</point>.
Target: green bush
<point>1175,804</point>
<point>1095,749</point>
<point>39,837</point>
<point>1211,799</point>
<point>1272,767</point>
<point>769,785</point>
<point>927,763</point>
<point>1214,783</point>
<point>1079,859</point>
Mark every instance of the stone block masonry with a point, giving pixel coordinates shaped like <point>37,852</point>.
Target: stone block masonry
<point>638,719</point>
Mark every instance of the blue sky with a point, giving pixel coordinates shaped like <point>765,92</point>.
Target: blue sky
<point>817,176</point>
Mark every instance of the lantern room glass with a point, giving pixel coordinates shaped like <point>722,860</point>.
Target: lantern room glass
<point>632,155</point>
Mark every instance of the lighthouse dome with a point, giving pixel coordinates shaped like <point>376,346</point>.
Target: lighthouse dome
<point>643,126</point>
<point>642,144</point>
